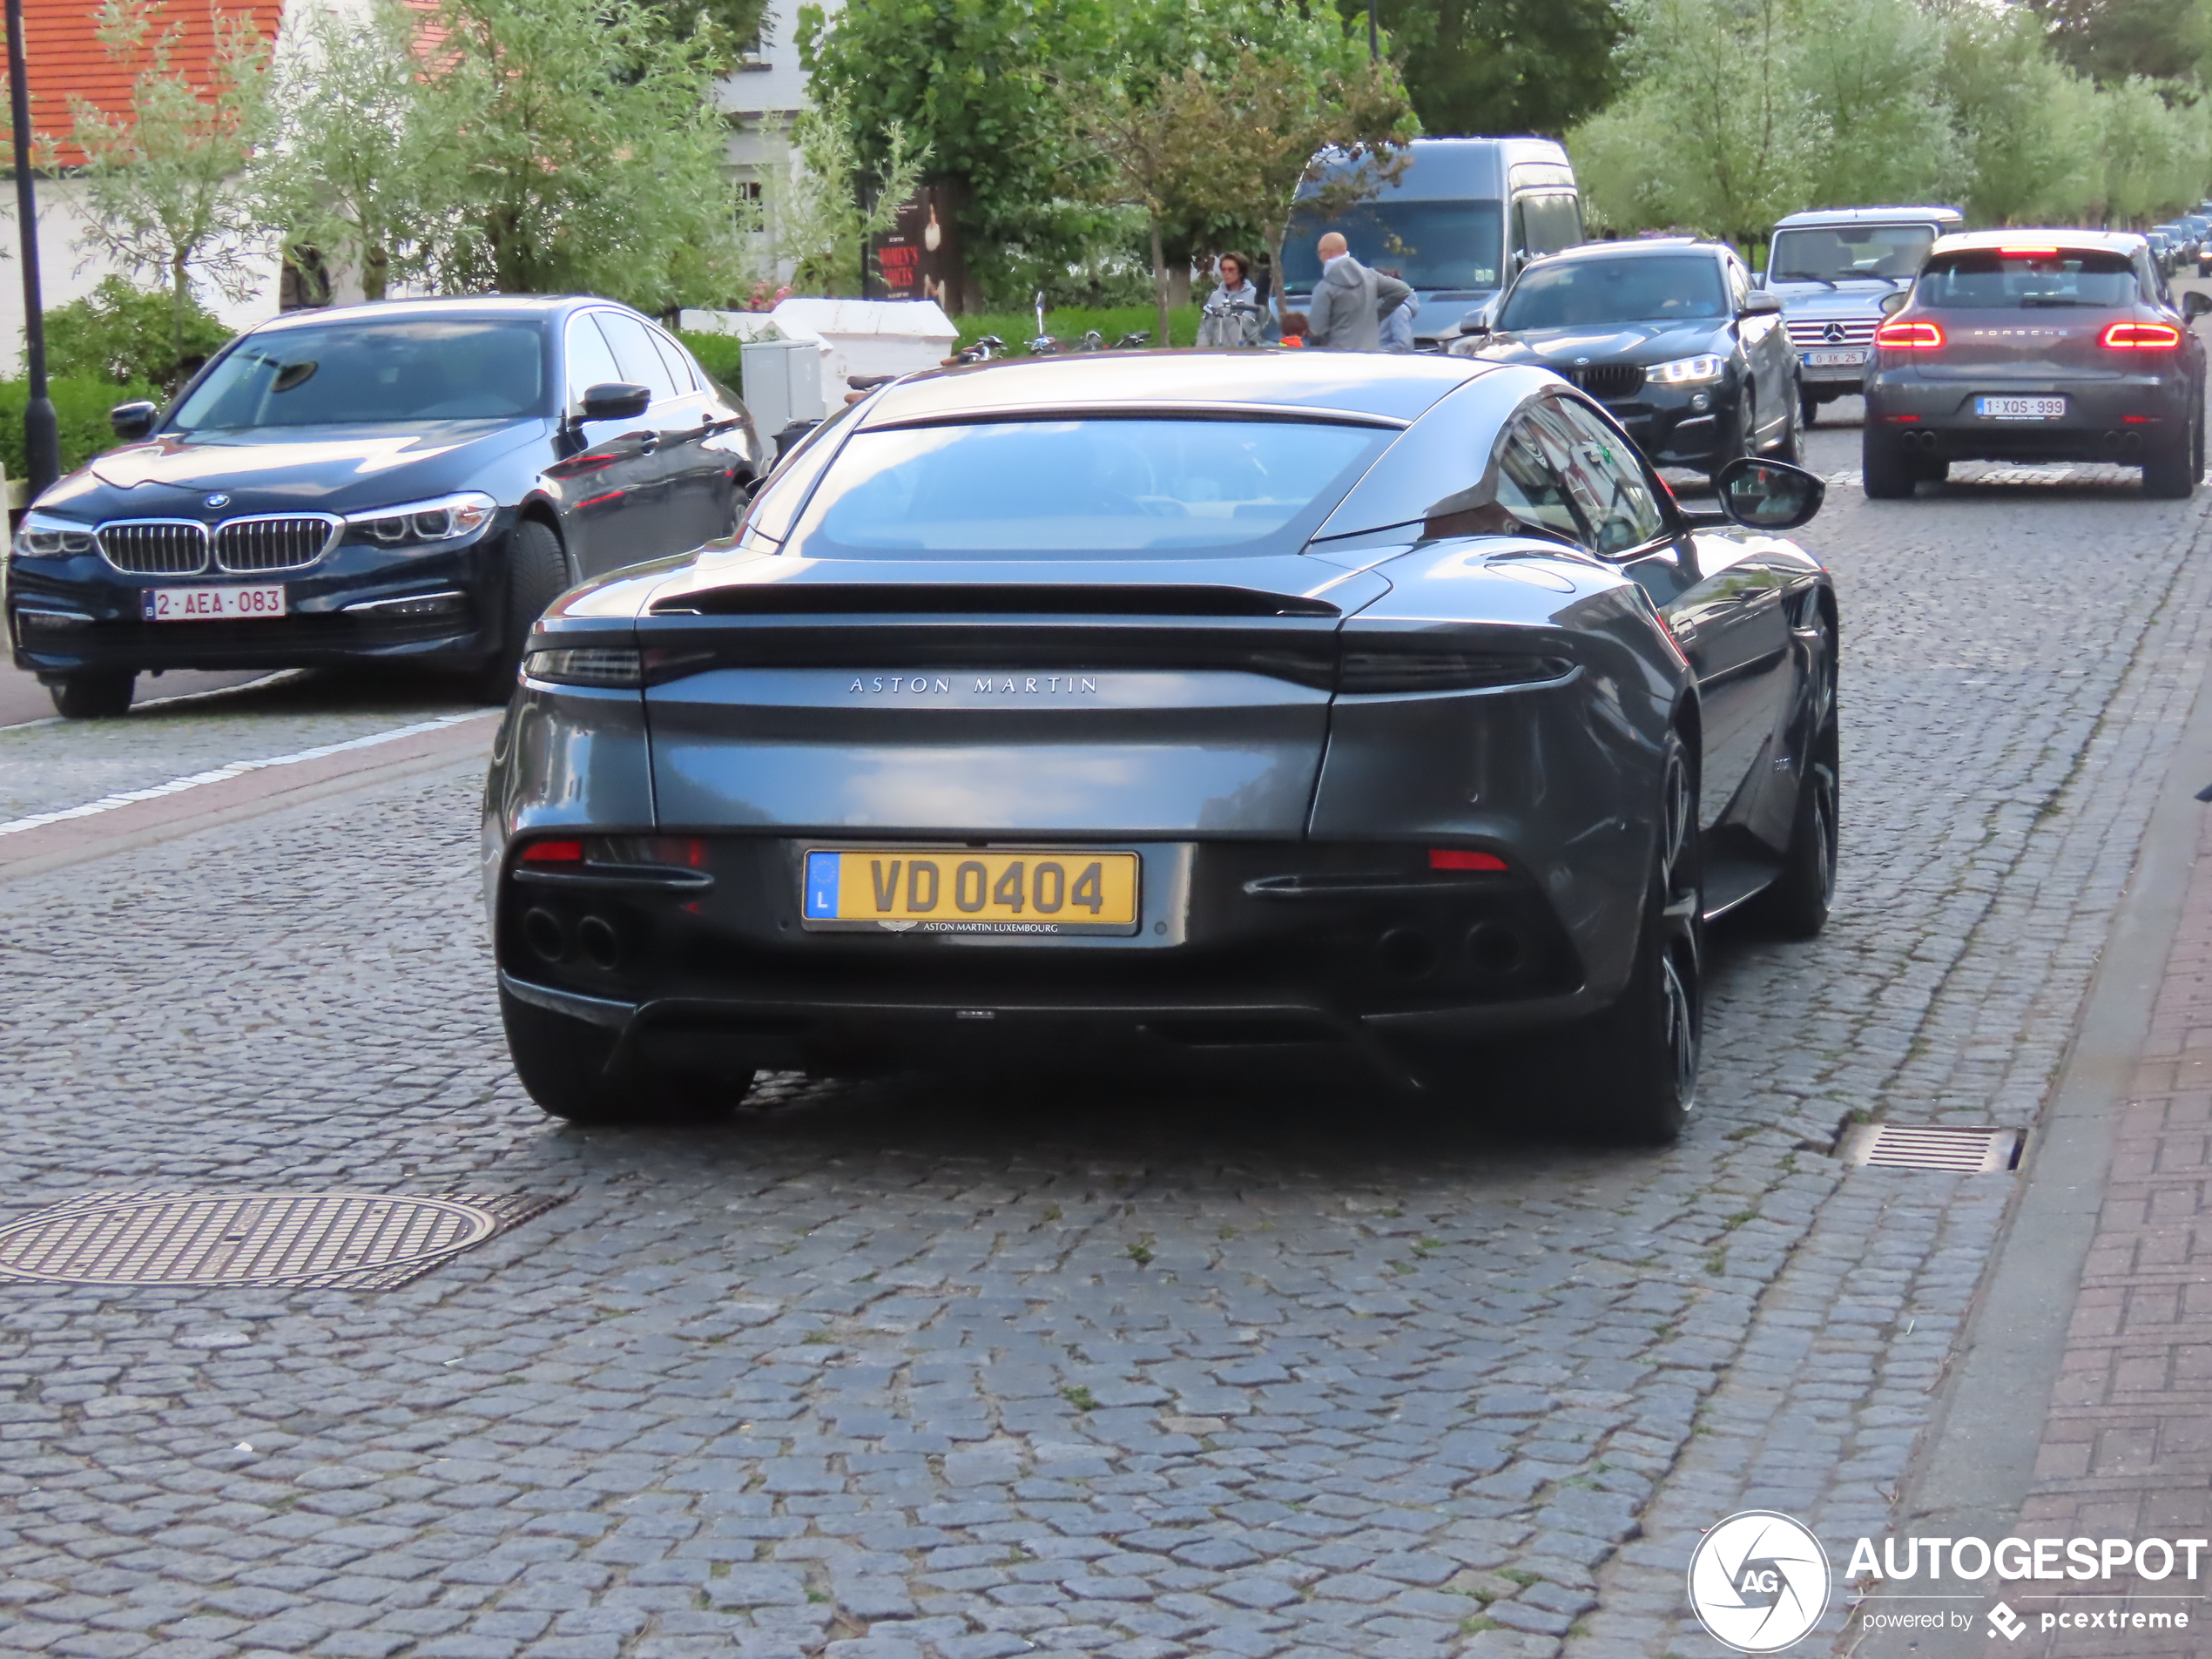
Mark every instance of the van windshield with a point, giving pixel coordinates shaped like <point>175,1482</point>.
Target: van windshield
<point>1429,243</point>
<point>1848,252</point>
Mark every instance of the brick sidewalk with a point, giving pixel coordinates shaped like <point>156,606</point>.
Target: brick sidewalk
<point>2127,1449</point>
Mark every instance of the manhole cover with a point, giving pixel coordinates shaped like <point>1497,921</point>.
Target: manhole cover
<point>328,1240</point>
<point>1925,1146</point>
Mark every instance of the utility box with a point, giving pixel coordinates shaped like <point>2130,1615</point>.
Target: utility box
<point>782,383</point>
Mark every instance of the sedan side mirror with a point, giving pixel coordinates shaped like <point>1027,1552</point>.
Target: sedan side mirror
<point>616,401</point>
<point>1893,301</point>
<point>1768,495</point>
<point>131,422</point>
<point>1759,303</point>
<point>2195,304</point>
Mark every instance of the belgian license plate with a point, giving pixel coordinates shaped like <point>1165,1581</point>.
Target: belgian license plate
<point>1834,359</point>
<point>210,605</point>
<point>2019,408</point>
<point>955,890</point>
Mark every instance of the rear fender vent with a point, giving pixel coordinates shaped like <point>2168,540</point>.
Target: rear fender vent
<point>1927,1146</point>
<point>1054,599</point>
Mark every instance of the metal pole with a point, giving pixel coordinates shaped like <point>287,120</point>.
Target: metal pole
<point>41,432</point>
<point>1374,33</point>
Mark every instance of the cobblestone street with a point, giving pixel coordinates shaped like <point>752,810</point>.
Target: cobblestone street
<point>980,1368</point>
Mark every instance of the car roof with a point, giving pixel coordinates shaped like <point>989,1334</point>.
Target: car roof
<point>466,305</point>
<point>1820,216</point>
<point>1389,388</point>
<point>1652,245</point>
<point>2080,241</point>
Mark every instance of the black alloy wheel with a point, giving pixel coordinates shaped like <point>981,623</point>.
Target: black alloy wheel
<point>564,1064</point>
<point>538,574</point>
<point>1642,1052</point>
<point>1797,905</point>
<point>101,694</point>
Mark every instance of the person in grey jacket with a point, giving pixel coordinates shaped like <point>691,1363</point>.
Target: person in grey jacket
<point>1350,300</point>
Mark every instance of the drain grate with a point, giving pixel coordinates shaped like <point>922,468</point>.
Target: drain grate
<point>358,1241</point>
<point>1925,1146</point>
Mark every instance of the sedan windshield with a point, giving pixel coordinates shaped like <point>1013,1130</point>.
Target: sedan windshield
<point>1630,288</point>
<point>1429,245</point>
<point>1849,253</point>
<point>1080,487</point>
<point>422,369</point>
<point>2005,280</point>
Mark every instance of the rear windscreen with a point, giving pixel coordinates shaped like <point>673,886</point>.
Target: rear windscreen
<point>2025,279</point>
<point>1085,488</point>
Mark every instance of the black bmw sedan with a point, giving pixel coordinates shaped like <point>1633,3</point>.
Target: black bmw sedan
<point>1669,334</point>
<point>406,482</point>
<point>1171,704</point>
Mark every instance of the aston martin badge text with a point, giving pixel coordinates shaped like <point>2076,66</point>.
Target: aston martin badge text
<point>997,685</point>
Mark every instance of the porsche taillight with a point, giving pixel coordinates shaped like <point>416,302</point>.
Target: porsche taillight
<point>2140,336</point>
<point>1919,335</point>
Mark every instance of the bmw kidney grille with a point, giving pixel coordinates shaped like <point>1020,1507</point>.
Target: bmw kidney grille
<point>241,546</point>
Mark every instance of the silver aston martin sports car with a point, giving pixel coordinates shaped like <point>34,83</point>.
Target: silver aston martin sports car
<point>1134,706</point>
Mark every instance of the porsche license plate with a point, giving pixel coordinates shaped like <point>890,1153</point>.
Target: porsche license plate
<point>2019,408</point>
<point>1834,359</point>
<point>1056,890</point>
<point>210,605</point>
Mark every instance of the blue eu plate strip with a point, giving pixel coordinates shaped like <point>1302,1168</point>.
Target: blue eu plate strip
<point>821,886</point>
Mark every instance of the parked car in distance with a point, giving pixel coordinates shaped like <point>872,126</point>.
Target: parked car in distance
<point>1670,334</point>
<point>1464,215</point>
<point>407,483</point>
<point>2038,344</point>
<point>1145,706</point>
<point>1832,269</point>
<point>2165,250</point>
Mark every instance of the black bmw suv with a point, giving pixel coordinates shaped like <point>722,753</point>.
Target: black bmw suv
<point>1669,333</point>
<point>410,482</point>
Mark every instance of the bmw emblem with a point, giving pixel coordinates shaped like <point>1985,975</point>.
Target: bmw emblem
<point>219,499</point>
<point>1581,362</point>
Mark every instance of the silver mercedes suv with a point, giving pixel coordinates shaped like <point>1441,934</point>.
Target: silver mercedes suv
<point>1832,270</point>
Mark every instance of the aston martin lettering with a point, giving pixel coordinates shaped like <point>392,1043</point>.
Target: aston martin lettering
<point>986,685</point>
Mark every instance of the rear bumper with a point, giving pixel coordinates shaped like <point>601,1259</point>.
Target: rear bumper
<point>2105,420</point>
<point>1233,954</point>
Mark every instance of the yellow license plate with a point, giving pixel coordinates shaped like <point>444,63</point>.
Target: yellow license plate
<point>1031,890</point>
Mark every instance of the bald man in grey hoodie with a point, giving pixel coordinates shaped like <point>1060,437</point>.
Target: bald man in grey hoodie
<point>1350,300</point>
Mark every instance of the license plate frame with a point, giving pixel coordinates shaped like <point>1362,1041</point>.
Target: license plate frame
<point>254,602</point>
<point>2009,408</point>
<point>882,889</point>
<point>1850,359</point>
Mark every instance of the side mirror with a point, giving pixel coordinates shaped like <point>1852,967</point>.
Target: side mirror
<point>1893,301</point>
<point>2195,304</point>
<point>1475,322</point>
<point>1768,495</point>
<point>616,401</point>
<point>131,422</point>
<point>1759,303</point>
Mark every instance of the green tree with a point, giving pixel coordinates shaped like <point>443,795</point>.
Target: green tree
<point>724,30</point>
<point>1477,66</point>
<point>127,335</point>
<point>820,217</point>
<point>339,177</point>
<point>2111,41</point>
<point>565,147</point>
<point>167,191</point>
<point>2021,116</point>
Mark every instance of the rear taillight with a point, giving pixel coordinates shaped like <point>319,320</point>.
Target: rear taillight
<point>2140,336</point>
<point>1413,669</point>
<point>1459,858</point>
<point>553,852</point>
<point>1917,335</point>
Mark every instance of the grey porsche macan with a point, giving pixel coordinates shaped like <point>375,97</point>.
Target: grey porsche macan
<point>1137,706</point>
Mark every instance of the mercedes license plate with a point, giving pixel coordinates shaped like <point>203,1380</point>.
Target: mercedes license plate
<point>1834,359</point>
<point>958,890</point>
<point>2019,408</point>
<point>210,605</point>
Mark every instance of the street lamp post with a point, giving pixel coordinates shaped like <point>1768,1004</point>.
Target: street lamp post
<point>1374,32</point>
<point>41,433</point>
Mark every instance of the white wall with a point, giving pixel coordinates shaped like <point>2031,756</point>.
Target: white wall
<point>763,100</point>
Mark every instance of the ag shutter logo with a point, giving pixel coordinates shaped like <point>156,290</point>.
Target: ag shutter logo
<point>1758,1581</point>
<point>2006,1623</point>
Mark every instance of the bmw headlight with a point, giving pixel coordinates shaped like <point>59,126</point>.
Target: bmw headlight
<point>1687,371</point>
<point>423,523</point>
<point>43,536</point>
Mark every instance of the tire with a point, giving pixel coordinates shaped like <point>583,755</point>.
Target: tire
<point>1792,447</point>
<point>538,574</point>
<point>1796,905</point>
<point>1742,443</point>
<point>563,1063</point>
<point>2197,444</point>
<point>1809,411</point>
<point>2167,475</point>
<point>1887,472</point>
<point>1643,1084</point>
<point>100,696</point>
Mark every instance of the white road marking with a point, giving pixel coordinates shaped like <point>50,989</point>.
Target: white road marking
<point>236,769</point>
